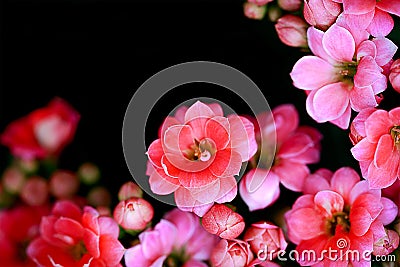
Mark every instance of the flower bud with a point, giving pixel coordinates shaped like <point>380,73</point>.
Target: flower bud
<point>63,184</point>
<point>13,180</point>
<point>35,191</point>
<point>134,213</point>
<point>254,11</point>
<point>292,30</point>
<point>394,76</point>
<point>89,173</point>
<point>128,190</point>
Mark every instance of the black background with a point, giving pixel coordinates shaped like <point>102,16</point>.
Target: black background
<point>95,54</point>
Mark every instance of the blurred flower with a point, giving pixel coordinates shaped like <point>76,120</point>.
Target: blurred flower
<point>89,173</point>
<point>343,214</point>
<point>260,2</point>
<point>290,5</point>
<point>13,180</point>
<point>292,30</point>
<point>133,213</point>
<point>35,191</point>
<point>222,221</point>
<point>99,196</point>
<point>70,237</point>
<point>379,152</point>
<point>63,184</point>
<point>394,76</point>
<point>266,237</point>
<point>231,253</point>
<point>177,240</point>
<point>198,158</point>
<point>128,190</point>
<point>321,13</point>
<point>254,11</point>
<point>42,133</point>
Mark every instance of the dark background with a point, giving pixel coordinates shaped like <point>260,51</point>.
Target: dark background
<point>95,54</point>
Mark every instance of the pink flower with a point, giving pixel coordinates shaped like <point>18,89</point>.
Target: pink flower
<point>13,180</point>
<point>18,226</point>
<point>223,222</point>
<point>42,133</point>
<point>133,213</point>
<point>35,191</point>
<point>254,11</point>
<point>357,126</point>
<point>379,152</point>
<point>350,73</point>
<point>266,237</point>
<point>290,5</point>
<point>260,2</point>
<point>70,237</point>
<point>340,213</point>
<point>89,173</point>
<point>292,30</point>
<point>198,154</point>
<point>231,253</point>
<point>296,147</point>
<point>394,76</point>
<point>177,239</point>
<point>64,184</point>
<point>128,190</point>
<point>321,13</point>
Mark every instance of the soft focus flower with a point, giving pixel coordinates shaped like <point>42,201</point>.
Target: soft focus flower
<point>70,237</point>
<point>349,73</point>
<point>260,2</point>
<point>99,196</point>
<point>13,180</point>
<point>379,152</point>
<point>18,226</point>
<point>177,240</point>
<point>254,11</point>
<point>266,237</point>
<point>290,5</point>
<point>231,253</point>
<point>128,190</point>
<point>63,184</point>
<point>340,213</point>
<point>321,13</point>
<point>42,133</point>
<point>222,221</point>
<point>198,154</point>
<point>296,147</point>
<point>394,76</point>
<point>88,173</point>
<point>35,191</point>
<point>292,30</point>
<point>133,213</point>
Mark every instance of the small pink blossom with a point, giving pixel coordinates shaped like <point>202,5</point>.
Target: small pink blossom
<point>133,213</point>
<point>89,173</point>
<point>99,196</point>
<point>292,30</point>
<point>379,152</point>
<point>394,76</point>
<point>75,238</point>
<point>198,154</point>
<point>63,184</point>
<point>321,13</point>
<point>350,73</point>
<point>35,191</point>
<point>254,11</point>
<point>223,222</point>
<point>342,213</point>
<point>386,244</point>
<point>177,239</point>
<point>231,253</point>
<point>128,190</point>
<point>13,180</point>
<point>290,5</point>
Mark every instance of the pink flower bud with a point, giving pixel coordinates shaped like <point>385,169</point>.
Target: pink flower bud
<point>394,76</point>
<point>63,184</point>
<point>35,191</point>
<point>290,5</point>
<point>265,237</point>
<point>89,173</point>
<point>128,190</point>
<point>134,213</point>
<point>260,2</point>
<point>99,196</point>
<point>292,30</point>
<point>231,253</point>
<point>387,244</point>
<point>254,11</point>
<point>223,222</point>
<point>13,180</point>
<point>320,13</point>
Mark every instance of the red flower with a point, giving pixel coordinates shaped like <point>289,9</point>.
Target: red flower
<point>42,133</point>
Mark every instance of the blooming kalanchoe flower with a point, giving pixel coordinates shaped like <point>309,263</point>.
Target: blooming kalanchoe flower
<point>198,154</point>
<point>343,74</point>
<point>340,213</point>
<point>177,240</point>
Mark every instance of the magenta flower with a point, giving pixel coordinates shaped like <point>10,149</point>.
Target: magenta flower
<point>343,74</point>
<point>198,154</point>
<point>379,152</point>
<point>340,213</point>
<point>70,237</point>
<point>296,147</point>
<point>177,239</point>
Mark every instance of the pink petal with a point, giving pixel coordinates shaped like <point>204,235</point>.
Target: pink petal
<point>362,98</point>
<point>384,150</point>
<point>389,212</point>
<point>368,72</point>
<point>206,194</point>
<point>314,37</point>
<point>360,220</point>
<point>343,181</point>
<point>162,184</point>
<point>286,119</point>
<point>134,257</point>
<point>228,189</point>
<point>358,7</point>
<point>180,114</point>
<point>381,25</point>
<point>177,139</point>
<point>227,162</point>
<point>370,202</point>
<point>218,129</point>
<point>360,188</point>
<point>304,70</point>
<point>91,241</point>
<point>331,101</point>
<point>297,144</point>
<point>315,183</point>
<point>185,223</point>
<point>197,116</point>
<point>185,201</point>
<point>386,50</point>
<point>366,48</point>
<point>377,124</point>
<point>316,245</point>
<point>339,43</point>
<point>306,223</point>
<point>328,202</point>
<point>363,150</point>
<point>394,116</point>
<point>168,122</point>
<point>344,120</point>
<point>242,136</point>
<point>383,177</point>
<point>155,153</point>
<point>111,249</point>
<point>197,179</point>
<point>216,108</point>
<point>390,6</point>
<point>160,241</point>
<point>291,174</point>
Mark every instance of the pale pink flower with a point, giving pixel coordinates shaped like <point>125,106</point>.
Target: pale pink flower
<point>321,13</point>
<point>254,11</point>
<point>63,184</point>
<point>290,5</point>
<point>394,76</point>
<point>223,222</point>
<point>128,190</point>
<point>13,180</point>
<point>379,152</point>
<point>343,214</point>
<point>296,147</point>
<point>342,74</point>
<point>133,213</point>
<point>292,30</point>
<point>75,238</point>
<point>266,237</point>
<point>177,239</point>
<point>35,191</point>
<point>231,253</point>
<point>198,154</point>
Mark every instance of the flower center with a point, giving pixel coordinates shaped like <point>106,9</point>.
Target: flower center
<point>347,71</point>
<point>340,219</point>
<point>395,133</point>
<point>176,259</point>
<point>78,250</point>
<point>202,151</point>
